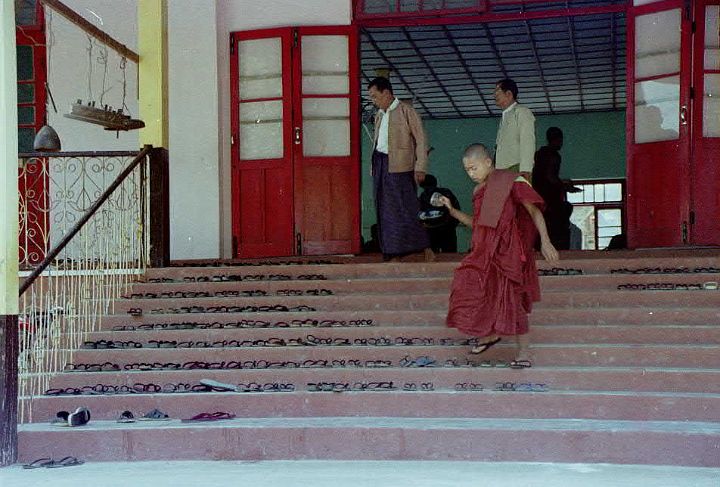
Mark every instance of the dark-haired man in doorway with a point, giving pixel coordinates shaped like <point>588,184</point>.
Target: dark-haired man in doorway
<point>546,181</point>
<point>515,142</point>
<point>399,164</point>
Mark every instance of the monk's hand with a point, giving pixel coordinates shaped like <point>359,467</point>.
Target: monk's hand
<point>445,201</point>
<point>548,251</point>
<point>419,177</point>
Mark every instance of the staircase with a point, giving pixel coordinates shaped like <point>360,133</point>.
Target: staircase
<point>620,376</point>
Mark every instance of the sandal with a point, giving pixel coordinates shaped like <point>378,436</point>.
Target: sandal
<point>154,415</point>
<point>218,416</point>
<point>65,462</point>
<point>520,364</point>
<point>39,463</point>
<point>126,417</point>
<point>483,347</point>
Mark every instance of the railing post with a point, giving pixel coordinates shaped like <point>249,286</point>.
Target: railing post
<point>159,217</point>
<point>9,253</point>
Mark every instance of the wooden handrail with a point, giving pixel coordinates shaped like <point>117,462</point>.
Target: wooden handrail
<point>90,29</point>
<point>84,219</point>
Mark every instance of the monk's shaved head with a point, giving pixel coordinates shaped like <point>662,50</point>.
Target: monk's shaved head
<point>477,151</point>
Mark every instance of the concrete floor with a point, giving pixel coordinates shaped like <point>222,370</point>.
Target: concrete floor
<point>360,474</point>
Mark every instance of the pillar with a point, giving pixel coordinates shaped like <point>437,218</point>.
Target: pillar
<point>8,236</point>
<point>152,71</point>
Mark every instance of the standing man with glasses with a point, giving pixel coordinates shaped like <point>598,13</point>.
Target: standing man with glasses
<point>399,164</point>
<point>515,142</point>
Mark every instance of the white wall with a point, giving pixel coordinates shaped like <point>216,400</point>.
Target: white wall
<point>240,15</point>
<point>194,140</point>
<point>199,97</point>
<point>69,66</point>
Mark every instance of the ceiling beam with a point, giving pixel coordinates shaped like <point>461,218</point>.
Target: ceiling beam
<point>395,70</point>
<point>440,84</point>
<point>538,65</point>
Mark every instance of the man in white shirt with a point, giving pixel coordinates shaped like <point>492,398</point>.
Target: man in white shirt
<point>515,143</point>
<point>399,163</point>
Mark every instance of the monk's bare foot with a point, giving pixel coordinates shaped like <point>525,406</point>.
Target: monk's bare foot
<point>429,255</point>
<point>484,346</point>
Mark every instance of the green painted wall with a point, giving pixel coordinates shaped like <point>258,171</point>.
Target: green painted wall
<point>594,148</point>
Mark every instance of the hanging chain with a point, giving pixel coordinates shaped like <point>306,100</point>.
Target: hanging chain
<point>102,59</point>
<point>89,50</point>
<point>123,65</point>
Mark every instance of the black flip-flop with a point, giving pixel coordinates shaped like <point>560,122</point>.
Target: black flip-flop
<point>483,347</point>
<point>65,462</point>
<point>126,417</point>
<point>39,463</point>
<point>155,415</point>
<point>80,417</point>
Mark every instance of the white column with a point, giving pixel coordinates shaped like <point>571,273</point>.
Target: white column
<point>8,163</point>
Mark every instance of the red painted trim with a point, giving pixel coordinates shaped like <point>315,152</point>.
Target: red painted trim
<point>361,15</point>
<point>257,100</point>
<point>492,17</point>
<point>658,76</point>
<point>326,96</point>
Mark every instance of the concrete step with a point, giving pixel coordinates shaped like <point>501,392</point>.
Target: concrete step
<point>420,284</point>
<point>439,300</point>
<point>666,406</point>
<point>558,316</point>
<point>579,334</point>
<point>598,355</point>
<point>407,269</point>
<point>557,378</point>
<point>491,439</point>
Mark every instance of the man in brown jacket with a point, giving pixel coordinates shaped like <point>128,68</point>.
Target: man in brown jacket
<point>399,163</point>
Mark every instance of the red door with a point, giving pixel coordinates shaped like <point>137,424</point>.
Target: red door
<point>326,125</point>
<point>658,124</point>
<point>296,180</point>
<point>705,210</point>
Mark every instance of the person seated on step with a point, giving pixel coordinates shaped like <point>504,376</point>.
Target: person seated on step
<point>496,283</point>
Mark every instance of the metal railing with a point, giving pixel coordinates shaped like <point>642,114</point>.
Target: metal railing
<point>84,238</point>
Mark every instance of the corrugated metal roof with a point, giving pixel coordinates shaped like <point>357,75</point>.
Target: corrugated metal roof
<point>561,65</point>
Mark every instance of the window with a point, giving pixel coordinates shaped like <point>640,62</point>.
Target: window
<point>598,213</point>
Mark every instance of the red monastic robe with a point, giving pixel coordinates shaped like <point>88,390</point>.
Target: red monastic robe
<point>496,284</point>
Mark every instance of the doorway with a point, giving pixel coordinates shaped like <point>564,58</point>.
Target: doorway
<point>295,179</point>
<point>674,123</point>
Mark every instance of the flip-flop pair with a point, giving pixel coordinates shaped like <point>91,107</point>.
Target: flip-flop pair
<point>154,415</point>
<point>218,416</point>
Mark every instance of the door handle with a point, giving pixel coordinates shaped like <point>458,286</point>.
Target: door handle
<point>297,135</point>
<point>683,115</point>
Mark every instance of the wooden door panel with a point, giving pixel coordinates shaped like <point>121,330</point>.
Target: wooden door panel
<point>328,210</point>
<point>658,224</point>
<point>266,221</point>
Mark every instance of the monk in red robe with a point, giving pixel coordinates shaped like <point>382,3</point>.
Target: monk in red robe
<point>496,284</point>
